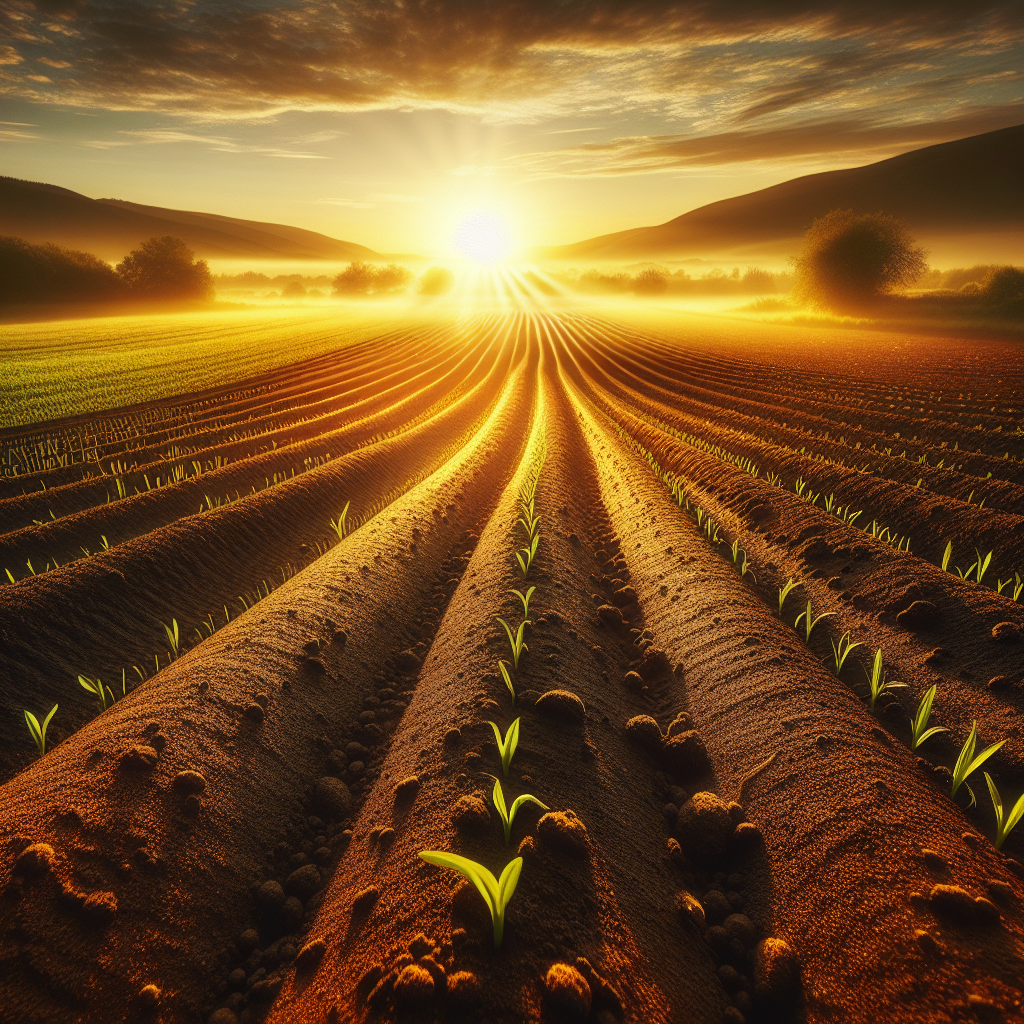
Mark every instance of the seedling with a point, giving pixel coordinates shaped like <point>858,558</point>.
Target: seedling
<point>525,598</point>
<point>784,592</point>
<point>529,521</point>
<point>508,816</point>
<point>102,693</point>
<point>809,621</point>
<point>745,568</point>
<point>496,891</point>
<point>172,637</point>
<point>982,564</point>
<point>339,525</point>
<point>841,650</point>
<point>506,746</point>
<point>877,681</point>
<point>508,681</point>
<point>967,763</point>
<point>1004,822</point>
<point>515,640</point>
<point>525,556</point>
<point>919,723</point>
<point>39,731</point>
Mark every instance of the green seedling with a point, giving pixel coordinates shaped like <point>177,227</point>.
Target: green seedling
<point>508,815</point>
<point>525,598</point>
<point>508,681</point>
<point>172,637</point>
<point>919,723</point>
<point>784,592</point>
<point>102,693</point>
<point>506,746</point>
<point>877,681</point>
<point>496,891</point>
<point>529,521</point>
<point>1004,822</point>
<point>39,731</point>
<point>967,763</point>
<point>339,525</point>
<point>745,568</point>
<point>982,564</point>
<point>525,556</point>
<point>841,650</point>
<point>809,621</point>
<point>515,640</point>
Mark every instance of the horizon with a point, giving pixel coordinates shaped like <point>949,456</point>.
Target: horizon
<point>557,128</point>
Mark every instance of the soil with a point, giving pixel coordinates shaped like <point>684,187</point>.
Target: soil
<point>729,832</point>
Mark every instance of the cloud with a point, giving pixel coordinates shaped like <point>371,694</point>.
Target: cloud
<point>856,137</point>
<point>521,60</point>
<point>219,143</point>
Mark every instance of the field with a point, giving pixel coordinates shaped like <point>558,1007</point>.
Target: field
<point>338,592</point>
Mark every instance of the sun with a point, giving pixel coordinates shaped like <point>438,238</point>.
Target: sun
<point>483,237</point>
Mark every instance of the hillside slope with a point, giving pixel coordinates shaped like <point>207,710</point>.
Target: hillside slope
<point>110,228</point>
<point>968,187</point>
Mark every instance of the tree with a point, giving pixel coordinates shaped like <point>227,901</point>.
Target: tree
<point>650,282</point>
<point>166,268</point>
<point>436,281</point>
<point>1004,284</point>
<point>51,273</point>
<point>360,278</point>
<point>850,259</point>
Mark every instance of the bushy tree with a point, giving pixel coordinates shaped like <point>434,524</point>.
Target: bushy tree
<point>850,259</point>
<point>166,268</point>
<point>1004,284</point>
<point>437,281</point>
<point>360,278</point>
<point>51,273</point>
<point>650,282</point>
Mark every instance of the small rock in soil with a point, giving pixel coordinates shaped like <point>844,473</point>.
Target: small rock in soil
<point>464,989</point>
<point>1000,683</point>
<point>716,906</point>
<point>149,997</point>
<point>189,782</point>
<point>747,836</point>
<point>407,661</point>
<point>776,973</point>
<point>291,912</point>
<point>248,940</point>
<point>407,789</point>
<point>365,898</point>
<point>270,896</point>
<point>310,955</point>
<point>633,681</point>
<point>680,724</point>
<point>140,757</point>
<point>452,738</point>
<point>470,814</point>
<point>736,813</point>
<point>624,597</point>
<point>255,713</point>
<point>740,927</point>
<point>36,859</point>
<point>421,946</point>
<point>100,907</point>
<point>562,830</point>
<point>1006,632</point>
<point>987,911</point>
<point>954,903</point>
<point>921,615</point>
<point>685,753</point>
<point>567,991</point>
<point>644,731</point>
<point>611,616</point>
<point>704,827</point>
<point>331,798</point>
<point>414,988</point>
<point>690,910</point>
<point>303,882</point>
<point>561,704</point>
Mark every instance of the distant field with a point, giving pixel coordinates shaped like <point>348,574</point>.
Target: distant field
<point>65,368</point>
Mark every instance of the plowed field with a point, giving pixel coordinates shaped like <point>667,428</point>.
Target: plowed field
<point>710,584</point>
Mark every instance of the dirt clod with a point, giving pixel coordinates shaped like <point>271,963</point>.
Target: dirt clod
<point>747,836</point>
<point>414,987</point>
<point>690,910</point>
<point>149,997</point>
<point>561,704</point>
<point>704,827</point>
<point>452,738</point>
<point>303,882</point>
<point>562,830</point>
<point>331,798</point>
<point>644,731</point>
<point>310,955</point>
<point>141,756</point>
<point>254,713</point>
<point>364,899</point>
<point>222,1016</point>
<point>470,814</point>
<point>611,616</point>
<point>100,907</point>
<point>685,753</point>
<point>189,782</point>
<point>464,989</point>
<point>921,615</point>
<point>421,946</point>
<point>567,992</point>
<point>36,859</point>
<point>633,680</point>
<point>953,903</point>
<point>740,927</point>
<point>776,973</point>
<point>407,789</point>
<point>270,896</point>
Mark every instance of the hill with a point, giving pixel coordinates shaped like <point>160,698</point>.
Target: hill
<point>111,228</point>
<point>967,189</point>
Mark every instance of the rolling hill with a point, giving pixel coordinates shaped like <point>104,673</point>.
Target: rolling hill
<point>969,189</point>
<point>110,228</point>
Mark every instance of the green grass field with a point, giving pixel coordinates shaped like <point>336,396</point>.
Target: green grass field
<point>68,367</point>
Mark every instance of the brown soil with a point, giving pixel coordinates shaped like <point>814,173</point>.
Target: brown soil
<point>729,833</point>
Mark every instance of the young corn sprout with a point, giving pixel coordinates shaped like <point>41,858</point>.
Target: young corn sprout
<point>506,746</point>
<point>515,640</point>
<point>877,681</point>
<point>525,556</point>
<point>1004,822</point>
<point>946,556</point>
<point>529,521</point>
<point>784,592</point>
<point>508,815</point>
<point>508,680</point>
<point>525,598</point>
<point>841,650</point>
<point>102,693</point>
<point>39,731</point>
<point>496,891</point>
<point>809,621</point>
<point>919,723</point>
<point>338,525</point>
<point>967,763</point>
<point>172,637</point>
<point>982,564</point>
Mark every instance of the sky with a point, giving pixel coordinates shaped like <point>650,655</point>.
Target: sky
<point>388,122</point>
